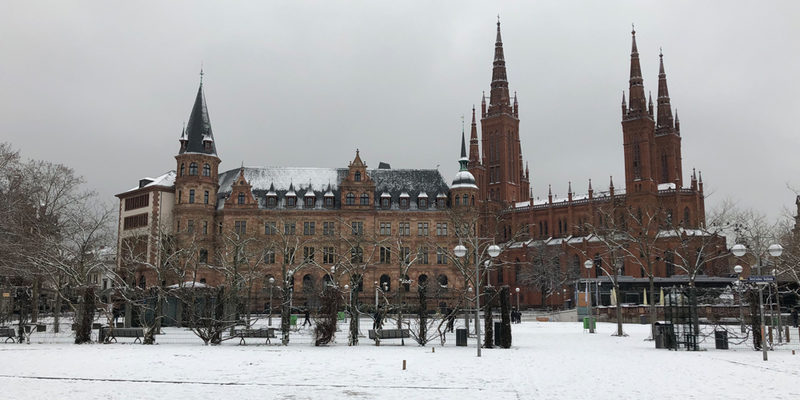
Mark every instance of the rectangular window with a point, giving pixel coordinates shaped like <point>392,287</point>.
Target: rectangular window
<point>137,202</point>
<point>269,257</point>
<point>203,255</point>
<point>308,254</point>
<point>422,229</point>
<point>288,228</point>
<point>404,229</point>
<point>423,255</point>
<point>219,227</point>
<point>190,226</point>
<point>205,197</point>
<point>356,255</point>
<point>135,221</point>
<point>441,256</point>
<point>405,254</point>
<point>309,228</point>
<point>205,227</point>
<point>386,228</point>
<point>358,227</point>
<point>386,255</point>
<point>270,228</point>
<point>288,257</point>
<point>240,227</point>
<point>441,229</point>
<point>327,255</point>
<point>191,196</point>
<point>328,228</point>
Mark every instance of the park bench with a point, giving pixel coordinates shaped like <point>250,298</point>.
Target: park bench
<point>107,334</point>
<point>389,334</point>
<point>7,333</point>
<point>254,333</point>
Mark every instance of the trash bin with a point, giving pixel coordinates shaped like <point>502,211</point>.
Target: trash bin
<point>340,315</point>
<point>665,337</point>
<point>293,320</point>
<point>589,323</point>
<point>461,337</point>
<point>643,319</point>
<point>721,340</point>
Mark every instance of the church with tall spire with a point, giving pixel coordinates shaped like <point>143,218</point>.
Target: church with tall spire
<point>394,226</point>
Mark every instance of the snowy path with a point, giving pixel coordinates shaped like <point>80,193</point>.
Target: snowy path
<point>548,360</point>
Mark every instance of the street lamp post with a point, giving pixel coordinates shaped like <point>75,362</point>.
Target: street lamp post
<point>350,301</point>
<point>778,306</point>
<point>461,251</point>
<point>738,270</point>
<point>376,295</point>
<point>774,250</point>
<point>588,264</point>
<point>271,282</point>
<point>517,290</point>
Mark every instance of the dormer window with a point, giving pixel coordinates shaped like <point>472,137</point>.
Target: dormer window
<point>240,199</point>
<point>309,201</point>
<point>404,203</point>
<point>357,176</point>
<point>385,202</point>
<point>291,201</point>
<point>193,168</point>
<point>423,203</point>
<point>350,199</point>
<point>272,201</point>
<point>329,201</point>
<point>364,199</point>
<point>206,170</point>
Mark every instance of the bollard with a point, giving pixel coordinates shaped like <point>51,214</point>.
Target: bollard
<point>786,330</point>
<point>433,349</point>
<point>792,352</point>
<point>404,365</point>
<point>770,335</point>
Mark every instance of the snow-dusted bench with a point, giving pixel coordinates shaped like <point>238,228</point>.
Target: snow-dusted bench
<point>254,333</point>
<point>108,334</point>
<point>7,333</point>
<point>389,334</point>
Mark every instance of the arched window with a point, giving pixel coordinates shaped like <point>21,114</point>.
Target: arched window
<point>193,168</point>
<point>308,283</point>
<point>576,266</point>
<point>423,203</point>
<point>664,170</point>
<point>240,200</point>
<point>203,256</point>
<point>669,263</point>
<point>473,200</point>
<point>142,282</point>
<point>637,162</point>
<point>350,199</point>
<point>465,200</point>
<point>598,266</point>
<point>499,276</point>
<point>183,168</point>
<point>442,280</point>
<point>364,199</point>
<point>422,281</point>
<point>406,283</point>
<point>686,216</point>
<point>327,280</point>
<point>357,176</point>
<point>206,170</point>
<point>386,283</point>
<point>456,198</point>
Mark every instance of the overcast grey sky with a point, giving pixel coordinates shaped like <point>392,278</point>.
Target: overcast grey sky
<point>105,86</point>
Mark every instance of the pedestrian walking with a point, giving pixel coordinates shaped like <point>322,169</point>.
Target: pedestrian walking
<point>306,315</point>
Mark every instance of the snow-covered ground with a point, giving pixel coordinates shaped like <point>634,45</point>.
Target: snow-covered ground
<point>548,360</point>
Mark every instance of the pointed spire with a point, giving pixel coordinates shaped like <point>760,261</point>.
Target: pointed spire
<point>591,191</point>
<point>516,105</point>
<point>474,153</point>
<point>665,122</point>
<point>463,145</point>
<point>483,105</point>
<point>498,96</point>
<point>677,123</point>
<point>650,103</point>
<point>199,136</point>
<point>527,172</point>
<point>611,181</point>
<point>624,105</point>
<point>636,88</point>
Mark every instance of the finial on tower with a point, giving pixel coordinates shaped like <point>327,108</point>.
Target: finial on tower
<point>201,72</point>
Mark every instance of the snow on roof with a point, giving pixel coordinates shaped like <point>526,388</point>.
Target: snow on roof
<point>188,284</point>
<point>166,180</point>
<point>404,194</point>
<point>385,194</point>
<point>666,186</point>
<point>681,231</point>
<point>421,195</point>
<point>282,177</point>
<point>521,204</point>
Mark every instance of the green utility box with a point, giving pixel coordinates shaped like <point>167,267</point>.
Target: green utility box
<point>340,316</point>
<point>293,320</point>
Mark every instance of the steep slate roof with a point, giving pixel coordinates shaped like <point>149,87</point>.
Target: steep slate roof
<point>199,127</point>
<point>320,180</point>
